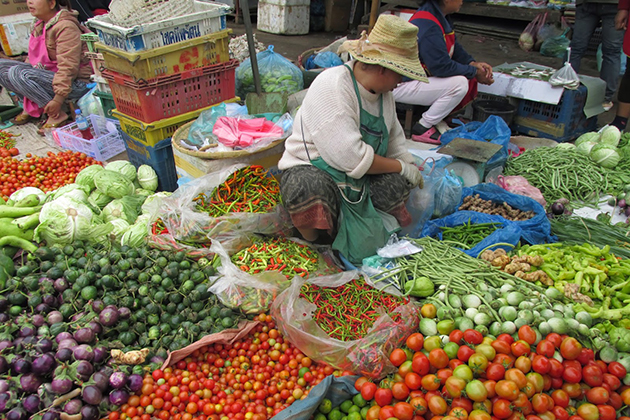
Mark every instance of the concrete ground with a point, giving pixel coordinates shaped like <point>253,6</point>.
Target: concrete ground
<point>491,50</point>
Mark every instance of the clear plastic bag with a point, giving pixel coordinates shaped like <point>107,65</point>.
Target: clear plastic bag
<point>90,104</point>
<point>368,356</point>
<point>236,289</point>
<point>527,40</point>
<point>448,192</point>
<point>566,77</point>
<point>555,46</point>
<point>186,224</point>
<point>277,74</point>
<point>520,185</point>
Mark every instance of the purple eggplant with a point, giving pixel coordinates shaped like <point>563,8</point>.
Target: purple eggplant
<point>17,413</point>
<point>4,386</point>
<point>32,403</point>
<point>89,412</point>
<point>84,369</point>
<point>4,365</point>
<point>20,365</point>
<point>134,383</point>
<point>55,317</point>
<point>51,415</point>
<point>100,355</point>
<point>61,284</point>
<point>5,344</point>
<point>43,365</point>
<point>118,380</point>
<point>38,320</point>
<point>124,313</point>
<point>64,355</point>
<point>91,394</point>
<point>61,386</point>
<point>68,343</point>
<point>98,306</point>
<point>118,397</point>
<point>101,379</point>
<point>44,345</point>
<point>27,330</point>
<point>96,327</point>
<point>84,336</point>
<point>73,406</point>
<point>83,352</point>
<point>5,397</point>
<point>108,317</point>
<point>3,318</point>
<point>30,382</point>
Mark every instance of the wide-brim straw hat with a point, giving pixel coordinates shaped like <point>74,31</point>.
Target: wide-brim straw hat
<point>392,43</point>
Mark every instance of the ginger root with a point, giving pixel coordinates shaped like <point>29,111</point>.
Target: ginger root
<point>513,267</point>
<point>535,260</point>
<point>134,357</point>
<point>501,261</point>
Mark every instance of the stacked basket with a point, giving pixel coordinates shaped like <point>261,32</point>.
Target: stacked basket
<point>163,75</point>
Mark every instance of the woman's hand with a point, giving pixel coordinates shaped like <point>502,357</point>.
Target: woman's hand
<point>484,73</point>
<point>411,173</point>
<point>52,109</point>
<point>621,20</point>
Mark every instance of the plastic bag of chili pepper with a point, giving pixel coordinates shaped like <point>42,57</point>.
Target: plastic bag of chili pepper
<point>254,276</point>
<point>342,321</point>
<point>235,202</point>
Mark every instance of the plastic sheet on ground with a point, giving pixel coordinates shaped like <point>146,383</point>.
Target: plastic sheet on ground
<point>367,356</point>
<point>508,233</point>
<point>536,230</point>
<point>337,390</point>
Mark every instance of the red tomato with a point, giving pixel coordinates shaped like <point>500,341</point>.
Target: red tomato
<point>520,348</point>
<point>413,380</point>
<point>420,364</point>
<point>506,337</point>
<point>501,346</point>
<point>556,369</point>
<point>420,405</point>
<point>383,396</point>
<point>545,348</point>
<point>606,412</point>
<point>464,353</point>
<point>560,398</point>
<point>560,413</point>
<point>368,390</point>
<point>612,381</point>
<point>617,369</point>
<point>507,389</point>
<point>592,375</point>
<point>400,391</point>
<point>570,349</point>
<point>473,337</point>
<point>397,357</point>
<point>586,355</point>
<point>572,375</point>
<point>555,339</point>
<point>403,411</point>
<point>358,384</point>
<point>598,395</point>
<point>540,364</point>
<point>539,403</point>
<point>615,400</point>
<point>527,334</point>
<point>437,405</point>
<point>502,408</point>
<point>386,412</point>
<point>495,371</point>
<point>456,336</point>
<point>438,358</point>
<point>415,342</point>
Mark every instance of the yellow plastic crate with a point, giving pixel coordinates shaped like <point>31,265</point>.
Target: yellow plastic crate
<point>152,133</point>
<point>170,59</point>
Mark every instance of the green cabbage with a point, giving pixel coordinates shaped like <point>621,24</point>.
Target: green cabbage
<point>585,147</point>
<point>592,136</point>
<point>75,191</point>
<point>86,176</point>
<point>566,146</point>
<point>119,227</point>
<point>64,220</point>
<point>153,203</point>
<point>136,235</point>
<point>605,155</point>
<point>610,135</point>
<point>126,208</point>
<point>123,167</point>
<point>25,192</point>
<point>142,191</point>
<point>147,177</point>
<point>99,199</point>
<point>113,184</point>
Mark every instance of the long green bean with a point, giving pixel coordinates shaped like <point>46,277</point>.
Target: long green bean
<point>577,230</point>
<point>561,173</point>
<point>467,235</point>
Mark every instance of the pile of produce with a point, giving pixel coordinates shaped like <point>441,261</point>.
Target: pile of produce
<point>467,235</point>
<point>560,173</point>
<point>348,312</point>
<point>478,204</point>
<point>355,408</point>
<point>250,189</point>
<point>483,378</point>
<point>526,267</point>
<point>277,254</point>
<point>46,173</point>
<point>7,144</point>
<point>253,378</point>
<point>601,146</point>
<point>67,306</point>
<point>102,205</point>
<point>577,230</point>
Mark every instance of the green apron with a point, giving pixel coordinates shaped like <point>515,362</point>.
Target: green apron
<point>360,230</point>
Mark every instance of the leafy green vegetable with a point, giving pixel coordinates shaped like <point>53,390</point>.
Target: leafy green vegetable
<point>113,184</point>
<point>147,178</point>
<point>75,191</point>
<point>123,167</point>
<point>135,236</point>
<point>610,135</point>
<point>99,199</point>
<point>25,192</point>
<point>86,176</point>
<point>592,136</point>
<point>605,155</point>
<point>585,147</point>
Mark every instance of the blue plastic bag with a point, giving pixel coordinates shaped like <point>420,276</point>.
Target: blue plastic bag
<point>277,74</point>
<point>327,59</point>
<point>448,192</point>
<point>337,390</point>
<point>536,230</point>
<point>494,130</point>
<point>509,233</point>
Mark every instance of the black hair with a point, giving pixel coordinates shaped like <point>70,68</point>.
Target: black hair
<point>62,3</point>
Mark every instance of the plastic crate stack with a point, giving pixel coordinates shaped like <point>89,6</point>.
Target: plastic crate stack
<point>163,75</point>
<point>102,92</point>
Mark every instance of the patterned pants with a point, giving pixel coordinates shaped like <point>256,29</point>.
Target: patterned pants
<point>32,83</point>
<point>312,198</point>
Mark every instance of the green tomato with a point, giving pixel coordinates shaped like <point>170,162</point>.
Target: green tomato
<point>431,343</point>
<point>451,350</point>
<point>463,372</point>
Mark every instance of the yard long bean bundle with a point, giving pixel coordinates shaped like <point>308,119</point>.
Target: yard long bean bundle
<point>249,189</point>
<point>577,230</point>
<point>561,173</point>
<point>468,234</point>
<point>348,312</point>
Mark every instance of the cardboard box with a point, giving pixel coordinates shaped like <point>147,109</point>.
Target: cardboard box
<point>193,167</point>
<point>337,15</point>
<point>12,7</point>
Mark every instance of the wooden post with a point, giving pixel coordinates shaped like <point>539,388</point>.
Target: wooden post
<point>374,13</point>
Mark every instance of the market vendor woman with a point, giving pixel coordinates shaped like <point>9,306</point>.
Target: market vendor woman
<point>346,158</point>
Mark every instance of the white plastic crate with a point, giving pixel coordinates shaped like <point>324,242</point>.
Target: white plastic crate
<point>102,85</point>
<point>106,144</point>
<point>208,18</point>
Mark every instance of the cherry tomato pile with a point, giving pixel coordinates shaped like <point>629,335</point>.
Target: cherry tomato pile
<point>253,379</point>
<point>46,173</point>
<point>477,378</point>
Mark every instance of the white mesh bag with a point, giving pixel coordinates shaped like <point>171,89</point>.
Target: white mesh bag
<point>128,13</point>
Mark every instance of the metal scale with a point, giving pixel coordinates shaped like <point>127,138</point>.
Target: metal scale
<point>470,159</point>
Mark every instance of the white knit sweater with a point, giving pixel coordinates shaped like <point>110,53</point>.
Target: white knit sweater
<point>329,118</point>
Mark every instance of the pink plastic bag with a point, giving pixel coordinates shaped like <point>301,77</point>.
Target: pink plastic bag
<point>519,185</point>
<point>242,132</point>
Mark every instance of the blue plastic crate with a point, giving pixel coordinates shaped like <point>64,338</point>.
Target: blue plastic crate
<point>562,122</point>
<point>159,157</point>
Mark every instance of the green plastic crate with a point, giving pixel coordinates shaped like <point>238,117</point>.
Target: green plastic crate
<point>107,101</point>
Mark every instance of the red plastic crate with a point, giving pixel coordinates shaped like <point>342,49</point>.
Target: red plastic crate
<point>169,96</point>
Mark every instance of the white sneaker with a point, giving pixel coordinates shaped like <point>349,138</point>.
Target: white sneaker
<point>442,127</point>
<point>607,105</point>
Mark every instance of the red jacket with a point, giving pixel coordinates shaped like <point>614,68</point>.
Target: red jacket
<point>625,5</point>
